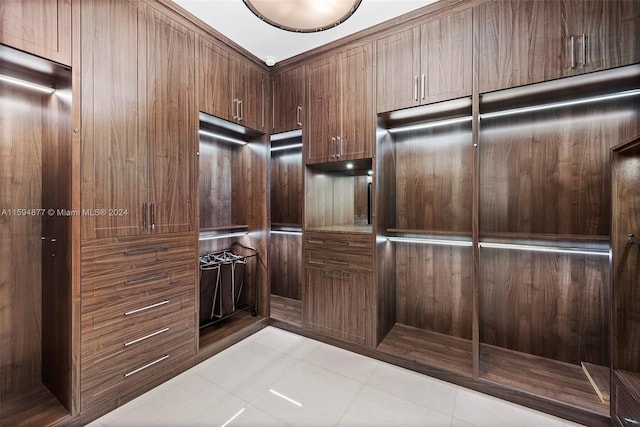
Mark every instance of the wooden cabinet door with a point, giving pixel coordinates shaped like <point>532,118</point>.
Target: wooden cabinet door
<point>288,100</point>
<point>42,28</point>
<point>249,91</point>
<point>323,117</point>
<point>397,70</point>
<point>114,150</point>
<point>446,46</point>
<point>172,123</point>
<point>337,304</point>
<point>215,71</point>
<point>357,135</point>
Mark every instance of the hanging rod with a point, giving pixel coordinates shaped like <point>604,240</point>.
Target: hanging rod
<point>632,239</point>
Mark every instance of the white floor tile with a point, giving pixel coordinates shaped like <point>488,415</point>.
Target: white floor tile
<point>342,362</point>
<point>285,342</point>
<point>254,417</point>
<point>376,408</point>
<point>414,387</point>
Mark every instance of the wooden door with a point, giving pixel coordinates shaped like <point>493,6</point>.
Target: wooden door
<point>42,28</point>
<point>323,116</point>
<point>337,302</point>
<point>357,136</point>
<point>172,123</point>
<point>114,150</point>
<point>249,90</point>
<point>288,100</point>
<point>397,70</point>
<point>215,79</point>
<point>446,46</point>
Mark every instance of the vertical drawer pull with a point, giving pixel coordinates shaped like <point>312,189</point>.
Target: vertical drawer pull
<point>147,279</point>
<point>148,365</point>
<point>153,334</point>
<point>146,250</point>
<point>138,310</point>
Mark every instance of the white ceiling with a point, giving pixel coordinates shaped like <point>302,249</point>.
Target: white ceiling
<point>233,19</point>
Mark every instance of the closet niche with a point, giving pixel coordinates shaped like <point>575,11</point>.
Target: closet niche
<point>35,283</point>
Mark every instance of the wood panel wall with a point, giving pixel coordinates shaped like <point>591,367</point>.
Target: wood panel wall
<point>215,183</point>
<point>287,190</point>
<point>286,265</point>
<point>22,129</point>
<point>547,304</point>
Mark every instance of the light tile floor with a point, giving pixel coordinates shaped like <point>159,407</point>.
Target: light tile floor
<point>276,378</point>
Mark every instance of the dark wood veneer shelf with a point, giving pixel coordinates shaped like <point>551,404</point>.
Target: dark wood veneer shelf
<point>286,309</point>
<point>632,379</point>
<point>429,232</point>
<point>549,237</point>
<point>214,334</point>
<point>543,377</point>
<point>346,228</point>
<point>36,407</point>
<point>430,348</point>
<point>231,227</point>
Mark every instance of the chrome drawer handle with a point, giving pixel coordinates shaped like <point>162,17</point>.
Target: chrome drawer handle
<point>149,307</point>
<point>147,279</point>
<point>337,276</point>
<point>161,331</point>
<point>631,421</point>
<point>146,250</point>
<point>335,261</point>
<point>148,365</point>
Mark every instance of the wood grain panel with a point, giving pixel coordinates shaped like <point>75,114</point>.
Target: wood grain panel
<point>547,172</point>
<point>114,146</point>
<point>286,266</point>
<point>434,288</point>
<point>550,305</point>
<point>214,77</point>
<point>21,126</point>
<point>626,257</point>
<point>433,179</point>
<point>250,88</point>
<point>171,123</point>
<point>288,99</point>
<point>287,188</point>
<point>36,407</point>
<point>215,182</point>
<point>42,28</point>
<point>286,309</point>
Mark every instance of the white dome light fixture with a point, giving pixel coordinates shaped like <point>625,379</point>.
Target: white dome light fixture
<point>303,16</point>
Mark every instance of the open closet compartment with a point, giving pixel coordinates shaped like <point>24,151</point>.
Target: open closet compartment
<point>35,237</point>
<point>544,226</point>
<point>233,217</point>
<point>287,197</point>
<point>424,233</point>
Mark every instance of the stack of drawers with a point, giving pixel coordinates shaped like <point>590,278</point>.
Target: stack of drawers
<point>138,313</point>
<point>339,291</point>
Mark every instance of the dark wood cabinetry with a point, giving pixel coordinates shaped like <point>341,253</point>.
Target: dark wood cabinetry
<point>231,88</point>
<point>425,64</point>
<point>146,60</point>
<point>42,28</point>
<point>340,123</point>
<point>523,42</point>
<point>288,99</point>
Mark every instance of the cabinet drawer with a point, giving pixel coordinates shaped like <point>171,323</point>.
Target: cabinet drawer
<point>125,313</point>
<point>627,403</point>
<point>339,242</point>
<point>339,261</point>
<point>117,377</point>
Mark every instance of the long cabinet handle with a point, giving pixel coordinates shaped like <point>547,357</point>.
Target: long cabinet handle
<point>149,307</point>
<point>144,216</point>
<point>148,365</point>
<point>415,88</point>
<point>153,216</point>
<point>240,110</point>
<point>147,279</point>
<point>584,50</point>
<point>422,87</point>
<point>235,109</point>
<point>338,146</point>
<point>573,52</point>
<point>299,115</point>
<point>152,334</point>
<point>333,147</point>
<point>631,421</point>
<point>337,276</point>
<point>146,250</point>
<point>336,261</point>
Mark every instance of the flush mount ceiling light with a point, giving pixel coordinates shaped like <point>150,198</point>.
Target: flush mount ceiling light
<point>303,16</point>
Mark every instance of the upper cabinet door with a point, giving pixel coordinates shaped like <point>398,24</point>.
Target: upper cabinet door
<point>172,123</point>
<point>398,70</point>
<point>323,118</point>
<point>215,65</point>
<point>114,145</point>
<point>249,94</point>
<point>446,57</point>
<point>357,136</point>
<point>288,100</point>
<point>42,28</point>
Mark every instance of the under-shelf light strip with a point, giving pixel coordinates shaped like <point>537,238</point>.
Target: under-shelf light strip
<point>292,233</point>
<point>617,95</point>
<point>549,249</point>
<point>425,241</point>
<point>286,147</point>
<point>27,84</point>
<point>429,125</point>
<point>222,137</point>
<point>223,236</point>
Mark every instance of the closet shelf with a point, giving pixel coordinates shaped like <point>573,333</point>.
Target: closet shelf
<point>222,232</point>
<point>407,232</point>
<point>542,237</point>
